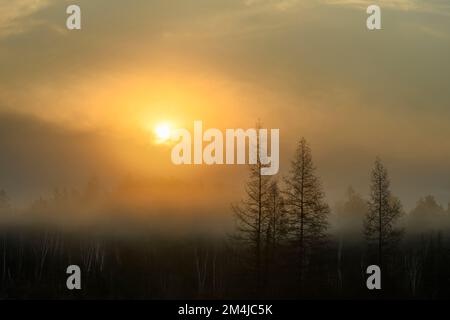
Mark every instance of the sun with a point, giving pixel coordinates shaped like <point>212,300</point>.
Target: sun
<point>163,132</point>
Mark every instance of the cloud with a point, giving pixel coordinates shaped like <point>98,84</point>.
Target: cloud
<point>426,6</point>
<point>13,14</point>
<point>280,5</point>
<point>38,155</point>
<point>436,33</point>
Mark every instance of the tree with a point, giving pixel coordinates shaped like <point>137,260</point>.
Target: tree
<point>383,212</point>
<point>350,215</point>
<point>277,219</point>
<point>251,214</point>
<point>276,225</point>
<point>261,217</point>
<point>306,204</point>
<point>427,215</point>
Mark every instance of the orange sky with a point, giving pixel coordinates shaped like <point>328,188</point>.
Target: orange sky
<point>309,68</point>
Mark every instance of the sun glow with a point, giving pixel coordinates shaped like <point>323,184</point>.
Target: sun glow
<point>163,132</point>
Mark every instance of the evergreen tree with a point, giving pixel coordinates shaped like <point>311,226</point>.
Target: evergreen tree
<point>428,215</point>
<point>383,212</point>
<point>276,226</point>
<point>251,215</point>
<point>350,215</point>
<point>307,207</point>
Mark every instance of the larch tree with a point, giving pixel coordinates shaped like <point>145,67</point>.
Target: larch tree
<point>260,217</point>
<point>307,206</point>
<point>251,214</point>
<point>350,215</point>
<point>275,226</point>
<point>383,213</point>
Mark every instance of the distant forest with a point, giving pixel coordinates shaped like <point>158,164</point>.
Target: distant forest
<point>288,243</point>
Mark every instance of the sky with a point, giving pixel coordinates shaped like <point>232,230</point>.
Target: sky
<point>74,104</point>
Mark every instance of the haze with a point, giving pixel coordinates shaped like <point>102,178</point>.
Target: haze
<point>78,104</point>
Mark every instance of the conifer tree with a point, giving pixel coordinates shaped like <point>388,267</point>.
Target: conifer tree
<point>383,212</point>
<point>306,204</point>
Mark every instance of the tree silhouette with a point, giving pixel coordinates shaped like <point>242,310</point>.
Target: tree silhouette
<point>427,215</point>
<point>350,215</point>
<point>306,204</point>
<point>383,212</point>
<point>251,214</point>
<point>276,226</point>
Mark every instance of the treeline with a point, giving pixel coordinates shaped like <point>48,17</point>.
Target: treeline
<point>289,243</point>
<point>67,200</point>
<point>284,228</point>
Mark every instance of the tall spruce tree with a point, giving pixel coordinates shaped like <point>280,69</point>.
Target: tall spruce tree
<point>307,207</point>
<point>250,217</point>
<point>251,214</point>
<point>383,212</point>
<point>275,227</point>
<point>261,218</point>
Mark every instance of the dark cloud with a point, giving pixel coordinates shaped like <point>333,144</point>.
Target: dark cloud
<point>38,156</point>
